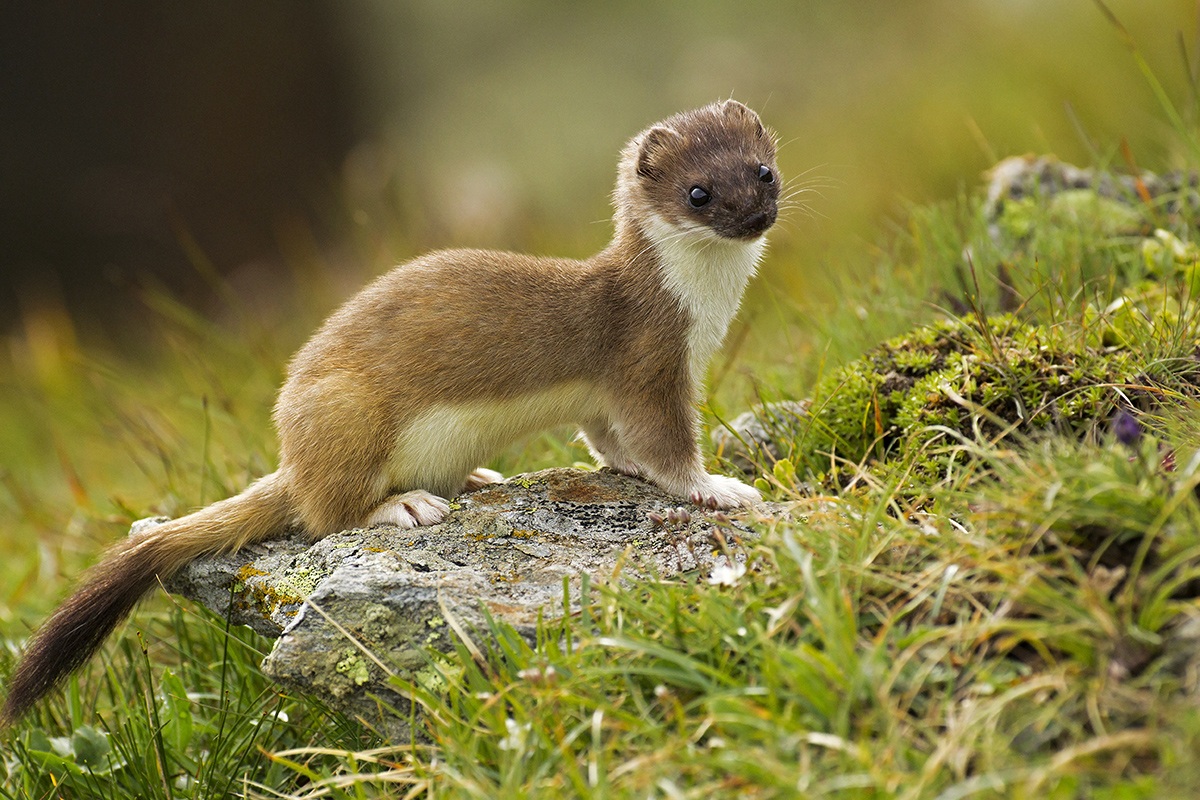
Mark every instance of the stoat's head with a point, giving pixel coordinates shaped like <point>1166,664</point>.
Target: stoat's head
<point>710,172</point>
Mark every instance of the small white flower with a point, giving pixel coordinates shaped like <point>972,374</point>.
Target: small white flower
<point>778,613</point>
<point>515,740</point>
<point>726,574</point>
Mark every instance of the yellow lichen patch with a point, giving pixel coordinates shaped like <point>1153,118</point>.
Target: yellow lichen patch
<point>266,598</point>
<point>523,533</point>
<point>246,573</point>
<point>271,598</point>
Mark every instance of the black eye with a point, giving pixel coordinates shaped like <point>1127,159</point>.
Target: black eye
<point>765,175</point>
<point>698,196</point>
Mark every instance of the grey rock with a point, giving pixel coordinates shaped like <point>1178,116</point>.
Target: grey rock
<point>357,607</point>
<point>1043,177</point>
<point>761,435</point>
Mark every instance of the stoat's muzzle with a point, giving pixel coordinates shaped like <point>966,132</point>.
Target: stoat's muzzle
<point>752,225</point>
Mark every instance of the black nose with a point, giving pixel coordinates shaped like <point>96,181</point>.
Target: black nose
<point>758,222</point>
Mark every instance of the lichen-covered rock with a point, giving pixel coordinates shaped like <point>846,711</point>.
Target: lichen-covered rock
<point>1104,202</point>
<point>356,606</point>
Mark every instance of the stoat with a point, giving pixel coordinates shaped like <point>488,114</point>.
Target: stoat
<point>432,369</point>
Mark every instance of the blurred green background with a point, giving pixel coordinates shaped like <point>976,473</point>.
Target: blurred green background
<point>155,146</point>
<point>188,190</point>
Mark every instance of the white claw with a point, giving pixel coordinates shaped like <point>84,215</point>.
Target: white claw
<point>719,491</point>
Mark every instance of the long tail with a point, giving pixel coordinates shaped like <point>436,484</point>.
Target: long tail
<point>108,592</point>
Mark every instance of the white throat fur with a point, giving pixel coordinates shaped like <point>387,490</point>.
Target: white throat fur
<point>708,274</point>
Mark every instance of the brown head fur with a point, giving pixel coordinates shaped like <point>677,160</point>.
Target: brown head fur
<point>715,147</point>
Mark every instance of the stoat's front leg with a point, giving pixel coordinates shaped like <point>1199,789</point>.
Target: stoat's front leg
<point>657,433</point>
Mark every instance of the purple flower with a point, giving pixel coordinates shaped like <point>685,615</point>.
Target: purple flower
<point>1126,428</point>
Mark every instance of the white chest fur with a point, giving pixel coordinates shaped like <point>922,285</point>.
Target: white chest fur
<point>708,274</point>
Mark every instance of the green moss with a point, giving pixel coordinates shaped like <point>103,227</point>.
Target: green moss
<point>1094,214</point>
<point>960,380</point>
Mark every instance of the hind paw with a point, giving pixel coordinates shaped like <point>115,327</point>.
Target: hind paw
<point>410,510</point>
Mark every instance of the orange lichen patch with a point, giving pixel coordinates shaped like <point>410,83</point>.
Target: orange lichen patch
<point>572,490</point>
<point>492,495</point>
<point>504,610</point>
<point>247,572</point>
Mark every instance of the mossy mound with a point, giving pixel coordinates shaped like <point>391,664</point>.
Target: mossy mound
<point>957,381</point>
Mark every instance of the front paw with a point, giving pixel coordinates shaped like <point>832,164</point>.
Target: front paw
<point>719,491</point>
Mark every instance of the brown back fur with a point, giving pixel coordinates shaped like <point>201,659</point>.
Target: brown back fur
<point>457,326</point>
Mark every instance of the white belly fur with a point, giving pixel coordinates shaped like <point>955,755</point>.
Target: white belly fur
<point>440,447</point>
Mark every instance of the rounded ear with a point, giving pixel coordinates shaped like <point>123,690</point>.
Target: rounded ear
<point>732,108</point>
<point>653,143</point>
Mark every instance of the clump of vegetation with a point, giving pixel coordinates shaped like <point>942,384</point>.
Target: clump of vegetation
<point>970,378</point>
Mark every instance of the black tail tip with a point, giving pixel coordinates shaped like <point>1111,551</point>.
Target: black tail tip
<point>10,714</point>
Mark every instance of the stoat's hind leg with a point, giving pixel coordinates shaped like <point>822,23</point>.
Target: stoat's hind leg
<point>606,448</point>
<point>482,477</point>
<point>410,510</point>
